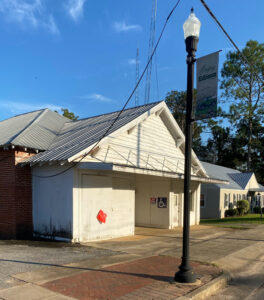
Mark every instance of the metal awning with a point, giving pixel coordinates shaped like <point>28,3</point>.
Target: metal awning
<point>144,171</point>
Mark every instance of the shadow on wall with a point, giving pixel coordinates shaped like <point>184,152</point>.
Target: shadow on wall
<point>52,232</point>
<point>21,232</point>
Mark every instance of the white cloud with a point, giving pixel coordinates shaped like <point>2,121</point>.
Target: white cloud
<point>22,107</point>
<point>132,61</point>
<point>97,98</point>
<point>52,26</point>
<point>75,8</point>
<point>28,13</point>
<point>165,68</point>
<point>123,27</point>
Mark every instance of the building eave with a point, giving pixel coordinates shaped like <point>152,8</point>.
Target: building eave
<point>144,171</point>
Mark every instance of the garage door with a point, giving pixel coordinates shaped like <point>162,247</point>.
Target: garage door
<point>112,195</point>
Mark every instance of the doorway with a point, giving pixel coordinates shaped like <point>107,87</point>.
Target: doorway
<point>176,209</point>
<point>152,205</point>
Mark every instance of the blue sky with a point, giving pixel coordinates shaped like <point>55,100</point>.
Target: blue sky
<point>80,54</point>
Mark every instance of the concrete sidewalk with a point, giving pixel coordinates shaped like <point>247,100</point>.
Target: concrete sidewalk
<point>148,278</point>
<point>239,251</point>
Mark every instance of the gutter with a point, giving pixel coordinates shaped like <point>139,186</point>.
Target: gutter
<point>145,171</point>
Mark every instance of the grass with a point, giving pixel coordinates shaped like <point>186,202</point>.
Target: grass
<point>235,221</point>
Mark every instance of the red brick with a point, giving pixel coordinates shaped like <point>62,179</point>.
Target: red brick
<point>147,278</point>
<point>15,195</point>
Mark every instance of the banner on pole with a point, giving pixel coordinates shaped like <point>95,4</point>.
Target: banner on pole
<point>207,86</point>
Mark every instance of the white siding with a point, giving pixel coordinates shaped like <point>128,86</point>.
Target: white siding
<point>147,145</point>
<point>252,183</point>
<point>52,202</point>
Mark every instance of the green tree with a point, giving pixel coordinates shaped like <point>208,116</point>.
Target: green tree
<point>243,89</point>
<point>176,101</point>
<point>257,154</point>
<point>224,149</point>
<point>67,114</point>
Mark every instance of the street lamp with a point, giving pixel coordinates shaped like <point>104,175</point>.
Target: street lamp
<point>191,29</point>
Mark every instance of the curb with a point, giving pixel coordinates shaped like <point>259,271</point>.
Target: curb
<point>209,288</point>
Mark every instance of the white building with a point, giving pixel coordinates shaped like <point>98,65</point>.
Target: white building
<point>217,198</point>
<point>134,175</point>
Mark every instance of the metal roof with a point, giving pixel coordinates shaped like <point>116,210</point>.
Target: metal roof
<point>237,179</point>
<point>76,136</point>
<point>241,178</point>
<point>261,187</point>
<point>35,130</point>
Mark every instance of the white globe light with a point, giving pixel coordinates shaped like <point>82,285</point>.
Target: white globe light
<point>192,26</point>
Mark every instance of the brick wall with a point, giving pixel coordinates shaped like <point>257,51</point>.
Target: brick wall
<point>15,195</point>
<point>7,194</point>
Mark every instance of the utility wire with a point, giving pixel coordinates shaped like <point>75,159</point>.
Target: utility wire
<point>127,101</point>
<point>244,58</point>
<point>157,78</point>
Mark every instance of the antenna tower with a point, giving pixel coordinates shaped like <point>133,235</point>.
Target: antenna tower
<point>137,77</point>
<point>151,47</point>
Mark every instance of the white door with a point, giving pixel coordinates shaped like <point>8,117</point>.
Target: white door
<point>148,213</point>
<point>115,197</point>
<point>176,201</point>
<point>159,216</point>
<point>96,196</point>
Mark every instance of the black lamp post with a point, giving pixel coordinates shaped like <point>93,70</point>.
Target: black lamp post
<point>191,29</point>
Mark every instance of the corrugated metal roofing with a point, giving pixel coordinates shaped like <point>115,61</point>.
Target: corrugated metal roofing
<point>222,173</point>
<point>79,135</point>
<point>35,130</point>
<point>237,179</point>
<point>11,128</point>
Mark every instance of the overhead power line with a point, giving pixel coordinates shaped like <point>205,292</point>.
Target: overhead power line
<point>157,78</point>
<point>127,101</point>
<point>244,58</point>
<point>137,77</point>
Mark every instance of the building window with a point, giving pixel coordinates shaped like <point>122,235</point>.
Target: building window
<point>226,200</point>
<point>202,200</point>
<point>234,200</point>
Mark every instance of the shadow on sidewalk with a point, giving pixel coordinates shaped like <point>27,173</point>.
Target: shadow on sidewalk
<point>147,276</point>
